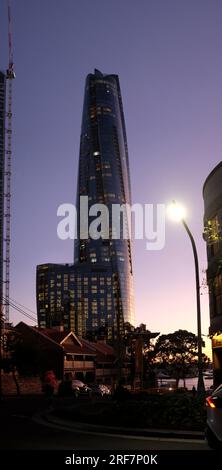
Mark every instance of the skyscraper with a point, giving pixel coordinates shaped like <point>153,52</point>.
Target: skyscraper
<point>2,170</point>
<point>98,289</point>
<point>104,178</point>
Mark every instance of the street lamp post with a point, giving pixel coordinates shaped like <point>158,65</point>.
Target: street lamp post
<point>200,384</point>
<point>179,215</point>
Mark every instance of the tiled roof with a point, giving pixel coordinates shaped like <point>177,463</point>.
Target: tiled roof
<point>72,344</point>
<point>99,346</point>
<point>53,334</point>
<point>69,341</point>
<point>76,349</point>
<point>104,348</point>
<point>21,326</point>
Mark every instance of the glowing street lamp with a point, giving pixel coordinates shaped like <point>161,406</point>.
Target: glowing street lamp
<point>177,213</point>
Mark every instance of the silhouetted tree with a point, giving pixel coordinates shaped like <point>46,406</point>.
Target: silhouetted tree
<point>177,353</point>
<point>10,340</point>
<point>19,358</point>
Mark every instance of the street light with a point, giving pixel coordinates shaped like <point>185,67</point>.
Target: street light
<point>177,213</point>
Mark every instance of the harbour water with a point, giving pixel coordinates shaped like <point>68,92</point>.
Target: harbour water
<point>193,382</point>
<point>189,382</point>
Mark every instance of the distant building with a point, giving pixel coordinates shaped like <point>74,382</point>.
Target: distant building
<point>55,289</point>
<point>94,297</point>
<point>64,352</point>
<point>67,293</point>
<point>2,172</point>
<point>212,194</point>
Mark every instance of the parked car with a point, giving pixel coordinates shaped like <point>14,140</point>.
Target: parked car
<point>100,390</point>
<point>73,388</point>
<point>214,419</point>
<point>80,387</point>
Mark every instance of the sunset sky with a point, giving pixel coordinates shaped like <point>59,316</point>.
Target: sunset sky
<point>167,54</point>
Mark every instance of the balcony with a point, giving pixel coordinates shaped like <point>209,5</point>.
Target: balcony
<point>78,365</point>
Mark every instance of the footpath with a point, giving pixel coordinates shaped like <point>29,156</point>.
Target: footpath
<point>50,418</point>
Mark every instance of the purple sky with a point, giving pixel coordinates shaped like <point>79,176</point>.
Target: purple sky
<point>167,54</point>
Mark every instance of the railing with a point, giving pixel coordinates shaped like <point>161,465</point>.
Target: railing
<point>77,365</point>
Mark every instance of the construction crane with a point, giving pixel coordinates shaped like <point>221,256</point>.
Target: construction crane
<point>10,76</point>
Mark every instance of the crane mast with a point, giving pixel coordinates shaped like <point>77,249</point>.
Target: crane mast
<point>10,76</point>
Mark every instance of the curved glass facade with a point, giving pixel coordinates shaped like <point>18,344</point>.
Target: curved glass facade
<point>104,178</point>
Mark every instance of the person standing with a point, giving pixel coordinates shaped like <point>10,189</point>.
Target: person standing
<point>49,383</point>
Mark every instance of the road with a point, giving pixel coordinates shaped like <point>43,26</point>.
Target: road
<point>20,432</point>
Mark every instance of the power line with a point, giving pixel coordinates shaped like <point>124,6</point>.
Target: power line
<point>18,309</point>
<point>26,308</point>
<point>22,312</point>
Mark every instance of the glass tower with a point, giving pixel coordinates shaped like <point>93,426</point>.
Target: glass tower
<point>104,177</point>
<point>94,296</point>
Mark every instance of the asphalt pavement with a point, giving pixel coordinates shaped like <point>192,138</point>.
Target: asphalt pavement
<point>27,424</point>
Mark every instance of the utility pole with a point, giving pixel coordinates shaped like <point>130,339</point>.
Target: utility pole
<point>6,193</point>
<point>2,205</point>
<point>10,76</point>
